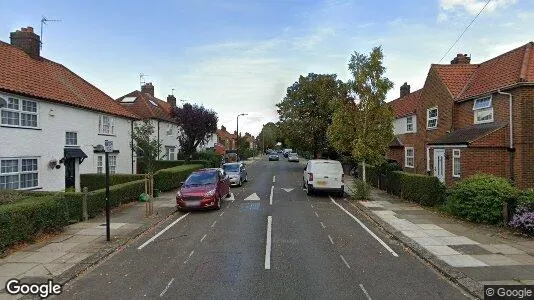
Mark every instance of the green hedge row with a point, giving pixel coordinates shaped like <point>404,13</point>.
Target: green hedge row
<point>98,181</point>
<point>12,196</point>
<point>167,164</point>
<point>168,179</point>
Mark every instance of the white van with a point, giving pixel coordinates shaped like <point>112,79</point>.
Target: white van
<point>325,175</point>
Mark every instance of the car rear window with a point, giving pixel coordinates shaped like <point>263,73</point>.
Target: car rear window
<point>201,178</point>
<point>327,168</point>
<point>231,168</point>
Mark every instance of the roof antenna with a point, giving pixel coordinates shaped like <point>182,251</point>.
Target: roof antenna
<point>44,20</point>
<point>172,92</point>
<point>142,79</point>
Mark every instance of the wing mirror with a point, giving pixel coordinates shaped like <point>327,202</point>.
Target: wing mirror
<point>181,183</point>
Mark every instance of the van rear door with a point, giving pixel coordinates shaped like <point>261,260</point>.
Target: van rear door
<point>327,174</point>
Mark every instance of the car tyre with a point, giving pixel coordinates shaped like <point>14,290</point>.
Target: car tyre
<point>246,178</point>
<point>309,190</point>
<point>341,193</point>
<point>240,182</point>
<point>218,204</point>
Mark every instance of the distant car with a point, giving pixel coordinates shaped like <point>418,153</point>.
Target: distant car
<point>286,152</point>
<point>274,157</point>
<point>236,173</point>
<point>293,157</point>
<point>325,175</point>
<point>203,189</point>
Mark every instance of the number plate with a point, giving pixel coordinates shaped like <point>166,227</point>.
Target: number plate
<point>321,182</point>
<point>192,203</point>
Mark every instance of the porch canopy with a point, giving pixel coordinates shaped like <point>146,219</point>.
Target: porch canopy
<point>467,135</point>
<point>75,153</point>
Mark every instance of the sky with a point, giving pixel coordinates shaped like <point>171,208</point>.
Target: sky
<point>240,56</point>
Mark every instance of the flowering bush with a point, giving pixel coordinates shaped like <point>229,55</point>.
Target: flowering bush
<point>523,220</point>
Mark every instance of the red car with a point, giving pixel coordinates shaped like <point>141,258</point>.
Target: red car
<point>204,188</point>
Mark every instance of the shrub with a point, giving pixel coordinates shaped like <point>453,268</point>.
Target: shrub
<point>168,179</point>
<point>98,181</point>
<point>167,164</point>
<point>523,220</point>
<point>393,183</point>
<point>12,196</point>
<point>422,189</point>
<point>526,199</point>
<point>480,198</point>
<point>362,190</point>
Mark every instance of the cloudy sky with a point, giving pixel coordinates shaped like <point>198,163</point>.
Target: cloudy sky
<point>240,56</point>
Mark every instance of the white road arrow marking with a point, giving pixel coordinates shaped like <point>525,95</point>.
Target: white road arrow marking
<point>253,197</point>
<point>287,189</point>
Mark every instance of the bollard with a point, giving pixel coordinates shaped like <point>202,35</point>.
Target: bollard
<point>84,204</point>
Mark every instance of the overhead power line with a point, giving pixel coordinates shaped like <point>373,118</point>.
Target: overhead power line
<point>466,28</point>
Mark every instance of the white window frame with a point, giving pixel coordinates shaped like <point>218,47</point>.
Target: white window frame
<point>20,111</point>
<point>101,163</point>
<point>110,125</point>
<point>456,155</point>
<point>485,109</point>
<point>428,118</point>
<point>406,157</point>
<point>66,139</point>
<point>19,171</point>
<point>168,150</point>
<point>409,123</point>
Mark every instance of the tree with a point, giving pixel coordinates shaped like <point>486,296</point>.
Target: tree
<point>270,132</point>
<point>306,110</point>
<point>196,124</point>
<point>363,125</point>
<point>145,144</point>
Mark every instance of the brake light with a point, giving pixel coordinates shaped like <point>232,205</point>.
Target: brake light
<point>310,176</point>
<point>342,178</point>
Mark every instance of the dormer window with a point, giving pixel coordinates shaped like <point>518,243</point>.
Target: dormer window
<point>432,118</point>
<point>482,110</point>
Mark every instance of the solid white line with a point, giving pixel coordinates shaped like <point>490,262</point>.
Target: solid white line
<point>221,214</point>
<point>366,229</point>
<point>316,214</point>
<point>365,292</point>
<point>268,244</point>
<point>331,240</point>
<point>161,232</point>
<point>274,179</point>
<point>346,264</point>
<point>191,253</point>
<point>166,288</point>
<point>214,222</point>
<point>323,225</point>
<point>271,197</point>
<point>203,238</point>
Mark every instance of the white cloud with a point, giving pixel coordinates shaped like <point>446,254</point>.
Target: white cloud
<point>474,6</point>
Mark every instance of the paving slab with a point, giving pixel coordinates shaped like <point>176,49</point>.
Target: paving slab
<point>470,249</point>
<point>462,260</point>
<point>429,226</point>
<point>502,282</point>
<point>456,240</point>
<point>502,249</point>
<point>42,257</point>
<point>37,271</point>
<point>92,231</point>
<point>414,233</point>
<point>16,268</point>
<point>16,257</point>
<point>442,250</point>
<point>58,247</point>
<point>438,232</point>
<point>524,259</point>
<point>500,273</point>
<point>496,260</point>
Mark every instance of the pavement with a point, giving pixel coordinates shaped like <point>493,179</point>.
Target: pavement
<point>472,255</point>
<point>271,241</point>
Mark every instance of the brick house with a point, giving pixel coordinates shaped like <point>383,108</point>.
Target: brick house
<point>226,140</point>
<point>463,115</point>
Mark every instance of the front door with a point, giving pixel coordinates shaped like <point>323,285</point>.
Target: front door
<point>439,164</point>
<point>70,173</point>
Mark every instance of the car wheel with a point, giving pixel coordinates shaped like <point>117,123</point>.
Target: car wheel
<point>341,193</point>
<point>309,190</point>
<point>246,178</point>
<point>240,182</point>
<point>218,204</point>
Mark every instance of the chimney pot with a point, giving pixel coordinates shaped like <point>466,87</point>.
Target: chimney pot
<point>404,89</point>
<point>148,88</point>
<point>171,100</point>
<point>461,59</point>
<point>27,41</point>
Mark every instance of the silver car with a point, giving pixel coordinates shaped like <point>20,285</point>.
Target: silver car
<point>236,172</point>
<point>293,157</point>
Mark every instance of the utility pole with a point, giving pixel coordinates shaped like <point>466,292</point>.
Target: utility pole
<point>237,131</point>
<point>108,148</point>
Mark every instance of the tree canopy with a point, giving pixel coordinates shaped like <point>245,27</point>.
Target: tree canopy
<point>145,144</point>
<point>196,123</point>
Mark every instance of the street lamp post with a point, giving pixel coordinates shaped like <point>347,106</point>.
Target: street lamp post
<point>237,130</point>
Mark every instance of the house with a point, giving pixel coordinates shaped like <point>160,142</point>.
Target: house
<point>158,112</point>
<point>226,139</point>
<point>471,118</point>
<point>53,122</point>
<point>250,140</point>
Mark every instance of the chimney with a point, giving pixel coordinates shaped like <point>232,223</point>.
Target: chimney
<point>404,89</point>
<point>223,128</point>
<point>27,41</point>
<point>148,88</point>
<point>461,59</point>
<point>170,99</point>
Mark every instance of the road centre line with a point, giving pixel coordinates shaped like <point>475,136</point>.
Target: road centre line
<point>220,215</point>
<point>268,244</point>
<point>203,238</point>
<point>331,240</point>
<point>214,222</point>
<point>274,179</point>
<point>316,214</point>
<point>366,229</point>
<point>365,292</point>
<point>323,225</point>
<point>166,288</point>
<point>271,197</point>
<point>161,232</point>
<point>343,259</point>
<point>191,253</point>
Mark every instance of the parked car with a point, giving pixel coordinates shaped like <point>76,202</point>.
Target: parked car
<point>324,175</point>
<point>286,152</point>
<point>274,156</point>
<point>293,157</point>
<point>236,173</point>
<point>203,189</point>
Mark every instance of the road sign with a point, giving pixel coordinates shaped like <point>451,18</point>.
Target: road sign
<point>108,146</point>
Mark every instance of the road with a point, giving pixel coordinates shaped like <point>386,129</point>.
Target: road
<point>314,248</point>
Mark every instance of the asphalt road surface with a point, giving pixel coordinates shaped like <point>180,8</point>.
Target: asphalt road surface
<point>283,246</point>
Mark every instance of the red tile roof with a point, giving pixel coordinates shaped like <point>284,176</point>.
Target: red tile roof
<point>455,76</point>
<point>406,105</point>
<point>144,109</point>
<point>44,79</point>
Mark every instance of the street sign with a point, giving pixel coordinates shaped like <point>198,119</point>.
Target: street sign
<point>108,146</point>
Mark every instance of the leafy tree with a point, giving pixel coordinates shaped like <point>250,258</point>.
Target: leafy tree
<point>196,124</point>
<point>271,133</point>
<point>306,111</point>
<point>146,144</point>
<point>363,125</point>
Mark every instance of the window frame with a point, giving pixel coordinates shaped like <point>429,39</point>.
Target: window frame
<point>410,123</point>
<point>66,139</point>
<point>101,163</point>
<point>110,125</point>
<point>20,172</point>
<point>428,118</point>
<point>406,157</point>
<point>478,110</point>
<point>168,152</point>
<point>456,154</point>
<point>19,110</point>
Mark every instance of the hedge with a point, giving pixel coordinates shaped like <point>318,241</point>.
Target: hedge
<point>423,189</point>
<point>98,181</point>
<point>12,196</point>
<point>167,164</point>
<point>168,179</point>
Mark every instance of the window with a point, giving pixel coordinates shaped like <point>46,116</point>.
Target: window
<point>100,164</point>
<point>71,138</point>
<point>456,162</point>
<point>169,152</point>
<point>106,125</point>
<point>20,113</point>
<point>482,110</point>
<point>432,118</point>
<point>409,124</point>
<point>409,157</point>
<point>18,173</point>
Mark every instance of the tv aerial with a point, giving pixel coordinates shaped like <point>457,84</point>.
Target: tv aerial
<point>44,20</point>
<point>142,79</point>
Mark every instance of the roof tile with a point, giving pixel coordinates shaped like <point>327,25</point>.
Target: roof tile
<point>406,105</point>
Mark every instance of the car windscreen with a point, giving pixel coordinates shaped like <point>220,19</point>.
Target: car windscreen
<point>231,168</point>
<point>293,154</point>
<point>201,178</point>
<point>327,168</point>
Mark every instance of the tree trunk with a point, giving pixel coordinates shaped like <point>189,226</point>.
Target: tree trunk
<point>364,177</point>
